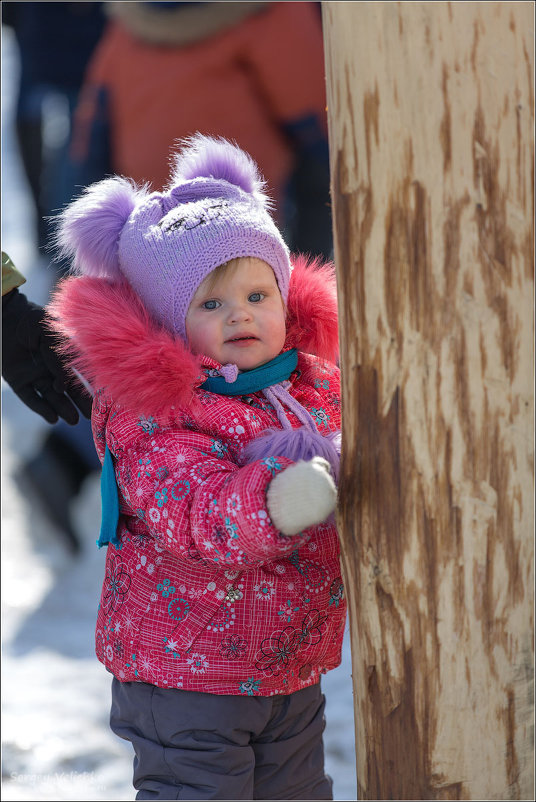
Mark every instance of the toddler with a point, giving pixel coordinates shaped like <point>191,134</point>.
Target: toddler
<point>216,416</point>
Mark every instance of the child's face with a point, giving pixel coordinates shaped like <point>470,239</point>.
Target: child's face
<point>240,318</point>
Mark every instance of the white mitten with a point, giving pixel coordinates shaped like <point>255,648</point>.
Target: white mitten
<point>302,495</point>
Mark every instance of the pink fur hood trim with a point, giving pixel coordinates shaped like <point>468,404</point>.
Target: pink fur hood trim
<point>109,337</point>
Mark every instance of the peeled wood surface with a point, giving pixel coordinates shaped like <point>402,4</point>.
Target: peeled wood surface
<point>431,115</point>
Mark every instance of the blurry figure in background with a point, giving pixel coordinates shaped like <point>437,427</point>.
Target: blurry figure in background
<point>30,364</point>
<point>55,41</point>
<point>252,72</point>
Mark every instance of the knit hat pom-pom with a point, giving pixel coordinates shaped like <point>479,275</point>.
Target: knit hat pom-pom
<point>295,444</point>
<point>88,230</point>
<point>209,157</point>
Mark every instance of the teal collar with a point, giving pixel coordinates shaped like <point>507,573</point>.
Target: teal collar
<point>251,381</point>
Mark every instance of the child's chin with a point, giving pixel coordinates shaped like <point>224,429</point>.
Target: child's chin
<point>251,363</point>
<point>244,364</point>
<point>246,359</point>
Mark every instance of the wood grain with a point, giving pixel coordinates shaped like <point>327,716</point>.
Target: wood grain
<point>431,115</point>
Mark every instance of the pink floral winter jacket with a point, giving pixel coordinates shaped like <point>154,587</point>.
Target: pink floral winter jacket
<point>204,593</point>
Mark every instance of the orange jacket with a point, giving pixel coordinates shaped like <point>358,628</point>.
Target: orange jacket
<point>260,82</point>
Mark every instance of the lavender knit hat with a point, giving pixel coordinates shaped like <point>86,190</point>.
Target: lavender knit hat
<point>166,243</point>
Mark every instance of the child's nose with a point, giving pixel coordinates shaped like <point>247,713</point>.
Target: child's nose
<point>239,313</point>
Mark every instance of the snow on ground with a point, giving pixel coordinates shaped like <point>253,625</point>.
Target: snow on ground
<point>55,695</point>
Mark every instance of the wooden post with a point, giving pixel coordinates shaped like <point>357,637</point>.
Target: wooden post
<point>431,115</point>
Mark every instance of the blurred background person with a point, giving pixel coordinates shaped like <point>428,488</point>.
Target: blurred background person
<point>248,71</point>
<point>252,72</point>
<point>55,42</point>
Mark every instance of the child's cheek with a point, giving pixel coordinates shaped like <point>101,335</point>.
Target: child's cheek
<point>196,334</point>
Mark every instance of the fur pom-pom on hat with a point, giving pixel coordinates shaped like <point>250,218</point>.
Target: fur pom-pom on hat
<point>211,157</point>
<point>89,229</point>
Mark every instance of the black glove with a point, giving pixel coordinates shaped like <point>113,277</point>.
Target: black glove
<point>32,368</point>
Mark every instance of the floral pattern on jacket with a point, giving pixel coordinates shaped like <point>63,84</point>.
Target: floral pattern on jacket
<point>203,593</point>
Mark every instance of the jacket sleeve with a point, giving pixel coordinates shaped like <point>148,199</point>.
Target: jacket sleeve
<point>189,492</point>
<point>11,278</point>
<point>292,83</point>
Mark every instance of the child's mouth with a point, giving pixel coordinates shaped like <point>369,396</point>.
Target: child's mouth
<point>242,342</point>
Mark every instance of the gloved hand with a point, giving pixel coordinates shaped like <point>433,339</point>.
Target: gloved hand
<point>302,495</point>
<point>32,368</point>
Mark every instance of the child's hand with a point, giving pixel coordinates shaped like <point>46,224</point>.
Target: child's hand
<point>302,495</point>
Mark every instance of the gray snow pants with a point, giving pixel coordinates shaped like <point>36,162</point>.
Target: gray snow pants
<point>191,745</point>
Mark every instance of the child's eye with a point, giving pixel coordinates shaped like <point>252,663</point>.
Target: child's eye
<point>255,297</point>
<point>212,304</point>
